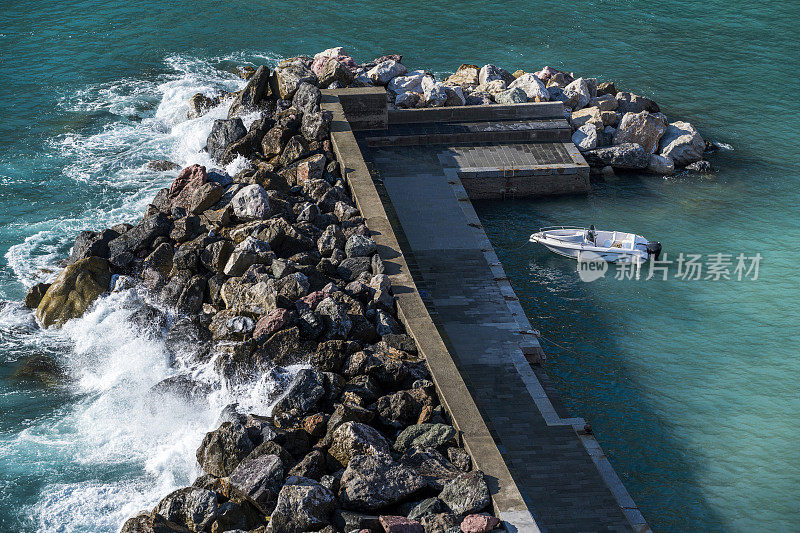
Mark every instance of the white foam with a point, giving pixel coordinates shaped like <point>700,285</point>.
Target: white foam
<point>119,447</point>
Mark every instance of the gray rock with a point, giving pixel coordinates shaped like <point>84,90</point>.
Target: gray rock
<point>335,72</point>
<point>307,98</point>
<point>296,148</point>
<point>360,246</point>
<point>334,315</point>
<point>466,494</point>
<point>385,324</point>
<point>224,448</point>
<point>633,103</point>
<point>627,156</point>
<point>383,72</point>
<point>427,507</point>
<point>316,125</point>
<point>204,197</point>
<point>681,142</point>
<point>303,394</point>
<point>192,507</point>
<point>642,128</point>
<point>585,137</point>
<point>224,132</point>
<point>434,468</point>
<point>702,167</point>
<point>250,251</point>
<point>578,90</point>
<point>355,438</point>
<point>352,267</point>
<point>260,478</point>
<point>659,164</point>
<point>373,482</point>
<point>251,203</point>
<point>533,87</point>
<point>91,243</point>
<point>490,73</point>
<point>290,75</point>
<point>407,100</point>
<point>215,255</point>
<point>411,82</point>
<point>424,436</point>
<point>254,95</point>
<point>303,505</point>
<point>140,236</point>
<point>511,96</point>
<point>312,466</point>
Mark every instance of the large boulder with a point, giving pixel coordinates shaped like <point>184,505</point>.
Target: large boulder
<point>590,115</point>
<point>431,465</point>
<point>468,75</point>
<point>578,90</point>
<point>682,143</point>
<point>533,87</point>
<point>35,294</point>
<point>316,125</point>
<point>383,72</point>
<point>373,482</point>
<point>489,73</point>
<point>302,395</point>
<point>254,95</point>
<point>411,82</point>
<point>424,436</point>
<point>89,243</point>
<point>307,98</point>
<point>303,505</point>
<point>625,156</point>
<point>290,74</point>
<point>585,137</point>
<point>250,251</point>
<point>224,448</point>
<point>260,477</point>
<point>466,494</point>
<point>335,71</point>
<point>511,96</point>
<point>251,203</point>
<point>660,164</point>
<point>182,189</point>
<point>642,128</point>
<point>73,291</point>
<point>192,507</point>
<point>354,438</point>
<point>224,132</point>
<point>633,103</point>
<point>138,238</point>
<point>151,523</point>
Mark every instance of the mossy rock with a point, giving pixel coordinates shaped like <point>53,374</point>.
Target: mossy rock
<point>73,291</point>
<point>41,368</point>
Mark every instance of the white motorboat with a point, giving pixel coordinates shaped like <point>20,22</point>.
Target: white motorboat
<point>596,245</point>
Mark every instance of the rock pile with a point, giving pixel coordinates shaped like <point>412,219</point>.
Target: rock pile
<point>273,267</point>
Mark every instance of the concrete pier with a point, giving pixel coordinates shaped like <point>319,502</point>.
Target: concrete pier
<point>412,174</point>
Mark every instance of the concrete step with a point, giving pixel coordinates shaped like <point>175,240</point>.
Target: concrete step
<point>544,130</point>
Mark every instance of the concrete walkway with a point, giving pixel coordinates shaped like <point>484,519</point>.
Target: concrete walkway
<point>485,329</point>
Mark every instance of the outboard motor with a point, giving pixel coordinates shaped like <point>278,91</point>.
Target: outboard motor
<point>653,249</point>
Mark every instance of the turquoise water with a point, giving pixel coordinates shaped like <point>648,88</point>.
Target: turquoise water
<point>689,385</point>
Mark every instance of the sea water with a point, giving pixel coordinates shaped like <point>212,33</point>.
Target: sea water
<point>690,386</point>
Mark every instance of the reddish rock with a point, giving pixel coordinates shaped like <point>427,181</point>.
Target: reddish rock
<point>313,299</point>
<point>188,181</point>
<point>272,322</point>
<point>315,425</point>
<point>479,523</point>
<point>311,169</point>
<point>400,524</point>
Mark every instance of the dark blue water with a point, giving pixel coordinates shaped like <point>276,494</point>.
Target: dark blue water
<point>690,386</point>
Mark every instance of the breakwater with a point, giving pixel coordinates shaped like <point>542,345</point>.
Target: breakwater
<point>189,235</point>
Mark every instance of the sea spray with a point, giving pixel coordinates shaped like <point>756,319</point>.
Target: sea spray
<point>116,446</point>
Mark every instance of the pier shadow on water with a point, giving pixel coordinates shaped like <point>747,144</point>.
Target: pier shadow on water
<point>588,346</point>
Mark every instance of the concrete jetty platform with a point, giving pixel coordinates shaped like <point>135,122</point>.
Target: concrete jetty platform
<point>412,174</point>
